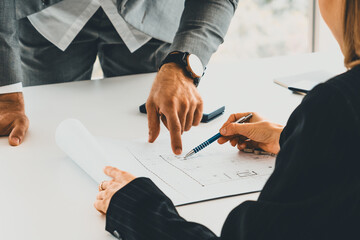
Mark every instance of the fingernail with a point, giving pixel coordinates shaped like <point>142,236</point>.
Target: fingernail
<point>16,140</point>
<point>178,151</point>
<point>223,131</point>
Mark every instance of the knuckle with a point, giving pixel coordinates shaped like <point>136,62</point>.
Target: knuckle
<point>168,107</point>
<point>171,101</point>
<point>22,120</point>
<point>193,102</point>
<point>256,115</point>
<point>185,104</point>
<point>107,193</point>
<point>101,195</point>
<point>122,174</point>
<point>266,123</point>
<point>176,128</point>
<point>230,127</point>
<point>189,121</point>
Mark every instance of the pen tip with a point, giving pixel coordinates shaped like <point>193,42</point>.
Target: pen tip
<point>189,154</point>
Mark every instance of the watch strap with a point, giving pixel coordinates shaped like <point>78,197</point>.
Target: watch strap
<point>175,57</point>
<point>180,58</point>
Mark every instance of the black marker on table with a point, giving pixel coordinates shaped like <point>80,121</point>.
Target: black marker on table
<point>214,138</point>
<point>298,90</point>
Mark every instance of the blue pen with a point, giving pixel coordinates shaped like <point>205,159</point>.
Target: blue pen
<point>215,137</point>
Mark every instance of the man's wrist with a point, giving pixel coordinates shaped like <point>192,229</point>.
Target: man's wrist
<point>16,100</point>
<point>176,68</point>
<point>190,63</point>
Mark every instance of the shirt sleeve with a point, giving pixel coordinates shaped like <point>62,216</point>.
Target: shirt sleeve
<point>10,68</point>
<point>203,26</point>
<point>11,88</point>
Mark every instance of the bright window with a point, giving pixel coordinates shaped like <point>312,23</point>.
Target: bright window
<point>265,28</point>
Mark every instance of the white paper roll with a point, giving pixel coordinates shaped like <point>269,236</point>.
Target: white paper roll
<point>77,142</point>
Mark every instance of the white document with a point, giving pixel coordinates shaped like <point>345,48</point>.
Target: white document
<point>214,172</point>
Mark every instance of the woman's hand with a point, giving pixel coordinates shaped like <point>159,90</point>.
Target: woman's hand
<point>258,133</point>
<point>107,189</point>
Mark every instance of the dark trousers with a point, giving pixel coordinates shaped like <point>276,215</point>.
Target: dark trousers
<point>44,63</point>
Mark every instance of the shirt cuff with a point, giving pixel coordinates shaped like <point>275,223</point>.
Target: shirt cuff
<point>12,88</point>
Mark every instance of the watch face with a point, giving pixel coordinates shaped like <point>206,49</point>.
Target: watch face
<point>195,65</point>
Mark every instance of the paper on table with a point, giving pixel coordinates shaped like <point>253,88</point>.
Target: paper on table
<point>212,173</point>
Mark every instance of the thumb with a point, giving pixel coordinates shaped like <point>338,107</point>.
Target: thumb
<point>18,133</point>
<point>243,129</point>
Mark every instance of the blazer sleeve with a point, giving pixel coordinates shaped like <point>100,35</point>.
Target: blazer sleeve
<point>203,26</point>
<point>141,210</point>
<point>312,194</point>
<point>10,65</point>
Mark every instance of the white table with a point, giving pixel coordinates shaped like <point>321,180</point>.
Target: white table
<point>46,196</point>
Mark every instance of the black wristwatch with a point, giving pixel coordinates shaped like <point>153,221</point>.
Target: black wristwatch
<point>190,62</point>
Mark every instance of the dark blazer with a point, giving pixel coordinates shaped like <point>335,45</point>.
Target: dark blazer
<point>196,26</point>
<point>313,193</point>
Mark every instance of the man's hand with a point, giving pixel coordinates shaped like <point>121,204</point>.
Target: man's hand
<point>256,134</point>
<point>107,189</point>
<point>13,121</point>
<point>175,99</point>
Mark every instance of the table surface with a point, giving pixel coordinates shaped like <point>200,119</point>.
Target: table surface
<point>46,196</point>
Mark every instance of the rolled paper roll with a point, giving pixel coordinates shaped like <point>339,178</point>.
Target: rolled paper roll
<point>76,141</point>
